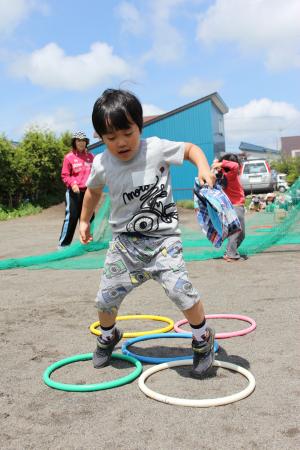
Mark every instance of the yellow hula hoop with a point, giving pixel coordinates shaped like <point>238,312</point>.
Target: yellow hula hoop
<point>170,322</point>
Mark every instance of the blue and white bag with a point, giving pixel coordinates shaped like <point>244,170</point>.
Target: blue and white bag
<point>215,213</point>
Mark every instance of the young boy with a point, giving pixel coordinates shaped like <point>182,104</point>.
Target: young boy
<point>146,238</point>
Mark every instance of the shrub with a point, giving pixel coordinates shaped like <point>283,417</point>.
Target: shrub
<point>31,170</point>
<point>290,166</point>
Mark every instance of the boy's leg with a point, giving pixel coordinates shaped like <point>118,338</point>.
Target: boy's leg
<point>107,341</point>
<point>115,285</point>
<point>202,342</point>
<point>195,314</point>
<point>172,275</point>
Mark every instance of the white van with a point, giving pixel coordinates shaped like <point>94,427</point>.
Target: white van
<point>256,176</point>
<point>281,183</point>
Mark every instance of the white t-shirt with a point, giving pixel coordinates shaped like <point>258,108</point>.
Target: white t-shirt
<point>140,189</point>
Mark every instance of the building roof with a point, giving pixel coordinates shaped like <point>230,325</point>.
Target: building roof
<point>245,146</point>
<point>147,118</point>
<point>214,97</point>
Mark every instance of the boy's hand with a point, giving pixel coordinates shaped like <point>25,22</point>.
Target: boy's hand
<point>208,177</point>
<point>75,189</point>
<point>84,232</point>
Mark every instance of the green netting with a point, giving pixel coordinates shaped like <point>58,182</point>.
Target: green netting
<point>74,256</point>
<point>278,224</point>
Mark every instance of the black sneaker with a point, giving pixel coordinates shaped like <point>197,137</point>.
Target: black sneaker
<point>204,355</point>
<point>102,354</point>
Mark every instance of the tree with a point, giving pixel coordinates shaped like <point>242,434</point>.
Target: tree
<point>32,169</point>
<point>66,140</point>
<point>290,166</point>
<point>8,175</point>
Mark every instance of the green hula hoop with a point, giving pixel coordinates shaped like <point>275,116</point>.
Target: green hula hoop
<point>91,387</point>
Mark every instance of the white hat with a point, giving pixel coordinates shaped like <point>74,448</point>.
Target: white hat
<point>80,135</point>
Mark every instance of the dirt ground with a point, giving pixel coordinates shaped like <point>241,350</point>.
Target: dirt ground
<point>45,317</point>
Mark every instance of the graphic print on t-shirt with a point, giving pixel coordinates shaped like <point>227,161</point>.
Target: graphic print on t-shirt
<point>153,209</point>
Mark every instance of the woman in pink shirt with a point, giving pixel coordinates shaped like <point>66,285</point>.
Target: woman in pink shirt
<point>76,169</point>
<point>228,166</point>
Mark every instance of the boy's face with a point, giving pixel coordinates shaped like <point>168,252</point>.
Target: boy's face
<point>123,144</point>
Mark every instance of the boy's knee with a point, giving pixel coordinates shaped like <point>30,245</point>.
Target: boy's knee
<point>185,302</point>
<point>183,294</point>
<point>110,299</point>
<point>106,309</point>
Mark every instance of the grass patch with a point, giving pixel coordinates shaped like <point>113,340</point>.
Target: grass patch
<point>248,201</point>
<point>25,209</point>
<point>188,204</point>
<point>31,207</point>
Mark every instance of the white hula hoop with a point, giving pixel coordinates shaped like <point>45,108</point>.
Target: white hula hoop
<point>205,403</point>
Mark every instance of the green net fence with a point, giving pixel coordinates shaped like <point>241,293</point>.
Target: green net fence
<point>277,224</point>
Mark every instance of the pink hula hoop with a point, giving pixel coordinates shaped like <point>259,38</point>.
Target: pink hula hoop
<point>228,334</point>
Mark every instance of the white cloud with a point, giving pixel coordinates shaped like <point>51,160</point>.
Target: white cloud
<point>59,121</point>
<point>168,43</point>
<point>154,23</point>
<point>132,21</point>
<point>197,88</point>
<point>13,12</point>
<point>269,28</point>
<point>62,120</point>
<point>50,67</point>
<point>261,122</point>
<point>152,110</point>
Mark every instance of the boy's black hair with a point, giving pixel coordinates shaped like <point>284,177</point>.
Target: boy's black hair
<point>230,157</point>
<point>115,110</point>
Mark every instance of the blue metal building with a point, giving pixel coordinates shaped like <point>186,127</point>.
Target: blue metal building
<point>200,122</point>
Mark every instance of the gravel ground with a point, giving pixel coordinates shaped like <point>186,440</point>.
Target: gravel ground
<point>45,316</point>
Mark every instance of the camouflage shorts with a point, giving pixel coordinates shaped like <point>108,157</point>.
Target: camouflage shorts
<point>133,259</point>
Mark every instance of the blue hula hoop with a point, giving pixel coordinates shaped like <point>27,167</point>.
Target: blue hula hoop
<point>152,360</point>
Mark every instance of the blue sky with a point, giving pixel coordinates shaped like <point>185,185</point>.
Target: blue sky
<point>57,56</point>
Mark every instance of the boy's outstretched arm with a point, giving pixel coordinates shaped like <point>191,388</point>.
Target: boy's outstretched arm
<point>90,201</point>
<point>195,155</point>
